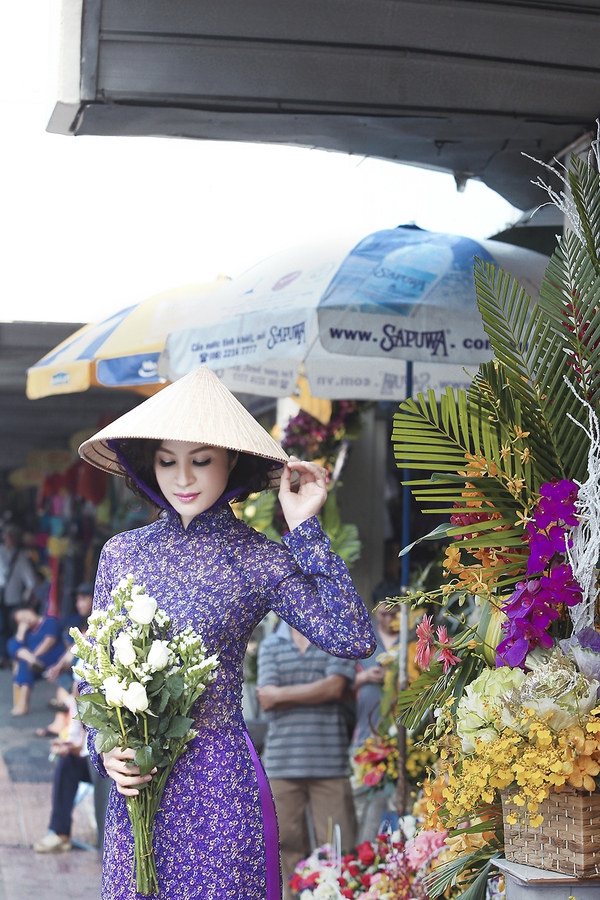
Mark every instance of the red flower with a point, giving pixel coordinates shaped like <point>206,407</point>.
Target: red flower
<point>348,892</point>
<point>348,858</point>
<point>373,777</point>
<point>353,870</point>
<point>342,881</point>
<point>366,854</point>
<point>365,880</point>
<point>311,879</point>
<point>295,882</point>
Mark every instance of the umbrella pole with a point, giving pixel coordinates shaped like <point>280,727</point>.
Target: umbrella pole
<point>403,638</point>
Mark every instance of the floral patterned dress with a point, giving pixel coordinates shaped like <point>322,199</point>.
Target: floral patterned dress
<point>216,834</point>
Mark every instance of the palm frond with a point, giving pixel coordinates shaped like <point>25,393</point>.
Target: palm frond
<point>477,864</point>
<point>526,385</point>
<point>430,690</point>
<point>570,297</point>
<point>584,183</point>
<point>461,437</point>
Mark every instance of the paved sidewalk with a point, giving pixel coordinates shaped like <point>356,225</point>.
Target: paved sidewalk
<point>25,795</point>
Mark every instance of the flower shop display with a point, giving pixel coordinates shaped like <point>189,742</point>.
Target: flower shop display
<point>328,444</point>
<point>390,868</point>
<point>143,687</point>
<point>511,699</point>
<point>375,763</point>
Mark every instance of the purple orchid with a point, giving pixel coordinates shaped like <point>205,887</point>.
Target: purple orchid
<point>513,650</point>
<point>559,586</point>
<point>543,546</point>
<point>557,503</point>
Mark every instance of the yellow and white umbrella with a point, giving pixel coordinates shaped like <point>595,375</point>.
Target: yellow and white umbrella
<point>121,351</point>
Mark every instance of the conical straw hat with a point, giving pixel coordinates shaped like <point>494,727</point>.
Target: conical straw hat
<point>196,408</point>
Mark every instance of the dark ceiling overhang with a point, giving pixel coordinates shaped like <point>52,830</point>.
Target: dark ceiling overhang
<point>459,85</point>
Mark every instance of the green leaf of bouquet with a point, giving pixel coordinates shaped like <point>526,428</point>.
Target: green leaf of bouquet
<point>445,875</point>
<point>477,890</point>
<point>155,684</point>
<point>91,716</point>
<point>472,665</point>
<point>178,727</point>
<point>438,534</point>
<point>163,700</point>
<point>428,691</point>
<point>163,724</point>
<point>175,685</point>
<point>493,821</point>
<point>96,697</point>
<point>152,723</point>
<point>106,741</point>
<point>144,758</point>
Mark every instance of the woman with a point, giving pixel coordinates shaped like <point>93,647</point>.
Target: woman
<point>35,646</point>
<point>216,832</point>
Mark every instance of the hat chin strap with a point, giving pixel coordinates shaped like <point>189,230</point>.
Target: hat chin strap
<point>160,501</point>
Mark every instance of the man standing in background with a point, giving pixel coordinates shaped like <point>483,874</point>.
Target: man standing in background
<point>306,749</point>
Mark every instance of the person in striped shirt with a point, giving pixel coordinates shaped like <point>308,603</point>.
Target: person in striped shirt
<point>301,688</point>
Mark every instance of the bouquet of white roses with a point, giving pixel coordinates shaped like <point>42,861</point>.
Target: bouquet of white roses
<point>143,688</point>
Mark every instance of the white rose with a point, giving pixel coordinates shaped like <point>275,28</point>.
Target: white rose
<point>135,697</point>
<point>124,649</point>
<point>113,690</point>
<point>143,609</point>
<point>158,655</point>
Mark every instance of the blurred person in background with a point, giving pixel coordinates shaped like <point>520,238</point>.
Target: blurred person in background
<point>17,583</point>
<point>35,646</point>
<point>60,672</point>
<point>73,768</point>
<point>371,805</point>
<point>306,749</point>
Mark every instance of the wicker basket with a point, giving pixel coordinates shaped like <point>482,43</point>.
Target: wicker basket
<point>567,841</point>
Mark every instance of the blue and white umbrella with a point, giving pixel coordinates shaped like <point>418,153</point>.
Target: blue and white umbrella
<point>350,317</point>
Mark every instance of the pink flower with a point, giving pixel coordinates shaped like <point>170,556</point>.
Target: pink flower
<point>425,845</point>
<point>425,629</point>
<point>424,644</point>
<point>448,658</point>
<point>442,635</point>
<point>423,655</point>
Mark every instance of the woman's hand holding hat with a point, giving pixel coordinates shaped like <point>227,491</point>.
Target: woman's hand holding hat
<point>306,498</point>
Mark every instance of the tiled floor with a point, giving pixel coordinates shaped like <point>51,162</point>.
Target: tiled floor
<point>25,794</point>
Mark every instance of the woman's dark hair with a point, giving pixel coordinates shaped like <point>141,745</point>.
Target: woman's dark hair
<point>250,474</point>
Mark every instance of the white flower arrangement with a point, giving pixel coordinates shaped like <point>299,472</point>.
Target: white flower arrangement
<point>143,687</point>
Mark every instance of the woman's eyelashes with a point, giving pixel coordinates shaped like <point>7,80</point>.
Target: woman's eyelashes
<point>165,463</point>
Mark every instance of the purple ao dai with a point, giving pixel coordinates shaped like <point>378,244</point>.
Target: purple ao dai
<point>221,577</point>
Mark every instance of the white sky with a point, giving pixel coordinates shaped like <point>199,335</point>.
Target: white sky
<point>94,224</point>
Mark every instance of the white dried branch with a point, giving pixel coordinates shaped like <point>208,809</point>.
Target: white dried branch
<point>584,550</point>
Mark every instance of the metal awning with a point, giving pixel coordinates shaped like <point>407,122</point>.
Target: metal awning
<point>461,85</point>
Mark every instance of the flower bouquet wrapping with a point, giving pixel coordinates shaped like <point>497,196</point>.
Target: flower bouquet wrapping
<point>390,868</point>
<point>143,687</point>
<point>509,642</point>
